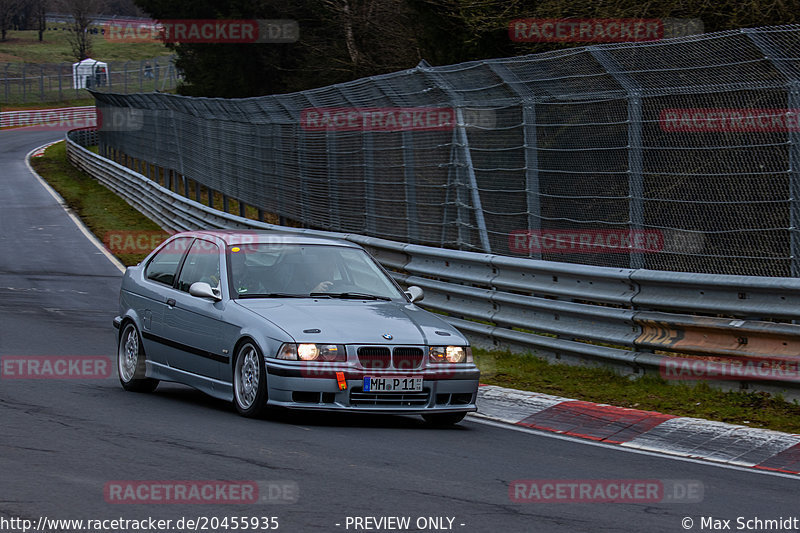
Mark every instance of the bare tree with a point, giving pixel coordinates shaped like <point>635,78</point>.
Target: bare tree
<point>378,34</point>
<point>8,8</point>
<point>40,16</point>
<point>82,13</point>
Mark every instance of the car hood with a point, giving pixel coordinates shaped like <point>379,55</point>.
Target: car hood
<point>355,321</point>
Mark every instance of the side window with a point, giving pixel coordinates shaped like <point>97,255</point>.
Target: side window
<point>164,265</point>
<point>202,264</point>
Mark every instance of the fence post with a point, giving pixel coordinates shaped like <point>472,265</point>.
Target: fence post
<point>463,143</point>
<point>369,182</point>
<point>6,80</point>
<point>41,83</point>
<point>528,103</point>
<point>301,165</point>
<point>635,145</point>
<point>409,175</point>
<point>334,182</point>
<point>60,85</point>
<point>771,53</point>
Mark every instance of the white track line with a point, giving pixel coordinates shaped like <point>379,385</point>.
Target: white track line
<point>86,232</point>
<point>481,419</point>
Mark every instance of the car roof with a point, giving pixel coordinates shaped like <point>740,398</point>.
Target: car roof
<point>232,237</point>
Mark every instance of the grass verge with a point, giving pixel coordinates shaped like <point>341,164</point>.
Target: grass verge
<point>103,211</point>
<point>100,209</point>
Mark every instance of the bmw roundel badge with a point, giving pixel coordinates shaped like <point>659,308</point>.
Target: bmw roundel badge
<point>387,336</point>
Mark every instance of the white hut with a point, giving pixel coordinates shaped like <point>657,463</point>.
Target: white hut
<point>89,73</point>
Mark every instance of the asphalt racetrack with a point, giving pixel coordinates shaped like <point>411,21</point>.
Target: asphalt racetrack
<point>64,442</point>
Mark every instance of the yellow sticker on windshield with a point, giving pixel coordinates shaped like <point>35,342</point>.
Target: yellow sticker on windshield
<point>235,249</point>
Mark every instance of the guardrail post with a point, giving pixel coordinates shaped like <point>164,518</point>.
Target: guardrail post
<point>41,83</point>
<point>635,144</point>
<point>197,196</point>
<point>786,68</point>
<point>210,197</point>
<point>225,203</point>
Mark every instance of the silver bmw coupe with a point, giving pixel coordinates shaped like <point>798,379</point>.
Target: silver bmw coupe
<point>272,319</point>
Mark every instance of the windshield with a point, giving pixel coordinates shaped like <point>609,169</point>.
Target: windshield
<point>300,270</point>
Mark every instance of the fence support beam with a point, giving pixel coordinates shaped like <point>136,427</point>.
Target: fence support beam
<point>771,54</point>
<point>532,187</point>
<point>463,142</point>
<point>635,144</point>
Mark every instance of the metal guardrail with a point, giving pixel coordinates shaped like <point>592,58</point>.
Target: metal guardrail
<point>635,320</point>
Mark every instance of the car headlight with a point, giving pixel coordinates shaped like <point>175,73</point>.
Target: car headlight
<point>312,352</point>
<point>450,354</point>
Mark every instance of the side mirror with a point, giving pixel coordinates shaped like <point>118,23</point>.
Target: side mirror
<point>415,294</point>
<point>202,289</point>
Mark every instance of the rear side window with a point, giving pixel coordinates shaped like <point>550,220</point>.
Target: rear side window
<point>163,266</point>
<point>202,264</point>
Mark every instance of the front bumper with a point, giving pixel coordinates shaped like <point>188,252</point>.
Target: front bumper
<point>305,387</point>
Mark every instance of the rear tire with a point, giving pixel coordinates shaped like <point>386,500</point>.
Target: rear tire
<point>441,420</point>
<point>131,359</point>
<point>250,381</point>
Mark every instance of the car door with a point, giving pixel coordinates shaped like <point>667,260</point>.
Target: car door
<point>194,326</point>
<point>156,291</point>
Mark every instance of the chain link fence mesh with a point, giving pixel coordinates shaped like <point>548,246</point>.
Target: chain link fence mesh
<point>25,83</point>
<point>693,139</point>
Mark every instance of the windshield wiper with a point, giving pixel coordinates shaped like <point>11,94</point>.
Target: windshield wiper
<point>351,295</point>
<point>272,295</point>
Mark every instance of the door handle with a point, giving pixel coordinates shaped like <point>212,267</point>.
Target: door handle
<point>171,302</point>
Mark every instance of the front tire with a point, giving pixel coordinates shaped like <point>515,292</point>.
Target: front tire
<point>131,361</point>
<point>250,381</point>
<point>441,420</point>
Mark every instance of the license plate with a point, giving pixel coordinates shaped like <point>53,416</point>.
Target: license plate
<point>398,384</point>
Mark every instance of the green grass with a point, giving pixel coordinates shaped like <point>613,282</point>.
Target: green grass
<point>99,208</point>
<point>103,211</point>
<point>526,372</point>
<point>76,102</point>
<point>24,47</point>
